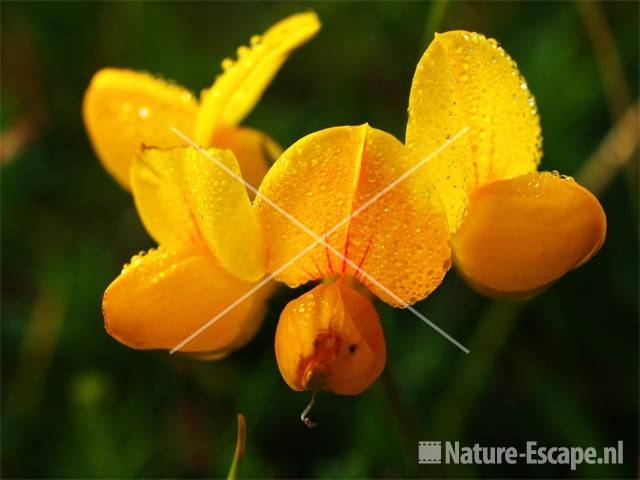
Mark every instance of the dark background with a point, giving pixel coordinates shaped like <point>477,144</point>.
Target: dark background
<point>561,369</point>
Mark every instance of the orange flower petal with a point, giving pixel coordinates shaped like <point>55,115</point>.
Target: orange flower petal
<point>123,109</point>
<point>524,233</point>
<point>401,239</point>
<point>463,80</point>
<point>241,85</point>
<point>183,197</point>
<point>257,310</point>
<point>162,297</point>
<point>254,150</point>
<point>330,339</point>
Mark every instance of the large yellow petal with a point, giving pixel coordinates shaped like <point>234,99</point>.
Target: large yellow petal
<point>240,86</point>
<point>314,181</point>
<point>465,80</point>
<point>183,195</point>
<point>124,109</point>
<point>524,233</point>
<point>400,240</point>
<point>254,150</point>
<point>330,339</point>
<point>162,297</point>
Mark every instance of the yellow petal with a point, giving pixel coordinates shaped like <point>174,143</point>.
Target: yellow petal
<point>524,233</point>
<point>225,215</point>
<point>123,109</point>
<point>330,339</point>
<point>254,150</point>
<point>240,86</point>
<point>162,297</point>
<point>464,79</point>
<point>183,197</point>
<point>160,195</point>
<point>401,239</point>
<point>257,310</point>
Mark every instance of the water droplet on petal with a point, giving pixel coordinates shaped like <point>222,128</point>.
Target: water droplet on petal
<point>226,64</point>
<point>255,40</point>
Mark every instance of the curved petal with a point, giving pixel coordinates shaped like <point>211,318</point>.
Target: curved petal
<point>465,79</point>
<point>240,86</point>
<point>398,238</point>
<point>162,297</point>
<point>124,109</point>
<point>184,197</point>
<point>330,339</point>
<point>524,233</point>
<point>314,181</point>
<point>257,310</point>
<point>254,150</point>
<point>159,192</point>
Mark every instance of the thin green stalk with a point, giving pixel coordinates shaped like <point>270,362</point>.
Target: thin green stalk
<point>241,440</point>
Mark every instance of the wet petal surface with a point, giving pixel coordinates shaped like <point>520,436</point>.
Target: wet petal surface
<point>240,86</point>
<point>124,109</point>
<point>255,151</point>
<point>400,239</point>
<point>524,233</point>
<point>184,197</point>
<point>162,297</point>
<point>466,80</point>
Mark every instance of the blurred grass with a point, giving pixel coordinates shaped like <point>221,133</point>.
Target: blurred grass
<point>561,369</point>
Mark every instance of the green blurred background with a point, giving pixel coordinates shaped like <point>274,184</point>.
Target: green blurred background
<point>561,369</point>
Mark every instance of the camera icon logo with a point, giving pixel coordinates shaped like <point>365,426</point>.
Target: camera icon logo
<point>429,452</point>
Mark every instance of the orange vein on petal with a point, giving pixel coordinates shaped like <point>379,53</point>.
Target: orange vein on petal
<point>183,198</point>
<point>313,181</point>
<point>401,239</point>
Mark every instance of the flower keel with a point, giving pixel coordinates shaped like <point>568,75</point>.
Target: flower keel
<point>522,234</point>
<point>330,339</point>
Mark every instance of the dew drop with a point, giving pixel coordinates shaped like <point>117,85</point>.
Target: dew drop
<point>255,40</point>
<point>226,64</point>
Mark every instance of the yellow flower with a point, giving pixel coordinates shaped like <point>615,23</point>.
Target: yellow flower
<point>211,248</point>
<point>124,109</point>
<point>211,253</point>
<point>396,245</point>
<point>515,231</point>
<point>512,230</point>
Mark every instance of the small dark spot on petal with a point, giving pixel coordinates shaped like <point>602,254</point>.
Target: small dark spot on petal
<point>352,348</point>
